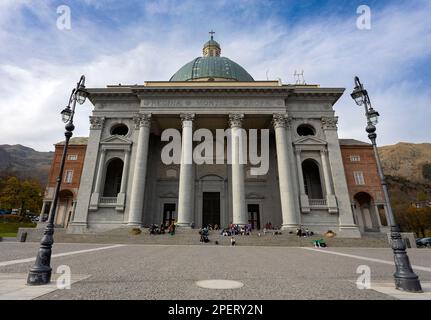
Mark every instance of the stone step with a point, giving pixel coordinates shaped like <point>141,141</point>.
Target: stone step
<point>192,237</point>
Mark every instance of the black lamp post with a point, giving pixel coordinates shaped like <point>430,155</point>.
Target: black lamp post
<point>405,278</point>
<point>40,273</point>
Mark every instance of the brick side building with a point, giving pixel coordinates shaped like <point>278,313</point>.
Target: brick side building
<point>363,182</point>
<point>71,180</point>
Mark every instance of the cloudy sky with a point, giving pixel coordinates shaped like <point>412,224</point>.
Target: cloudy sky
<point>133,41</point>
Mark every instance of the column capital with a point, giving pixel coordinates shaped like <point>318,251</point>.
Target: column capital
<point>235,120</point>
<point>96,123</point>
<point>329,123</point>
<point>187,117</point>
<point>280,120</point>
<point>142,120</point>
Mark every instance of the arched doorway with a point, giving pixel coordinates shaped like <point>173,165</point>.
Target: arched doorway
<point>365,212</point>
<point>312,182</point>
<point>114,172</point>
<point>64,208</point>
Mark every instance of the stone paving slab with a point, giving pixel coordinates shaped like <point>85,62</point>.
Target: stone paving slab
<point>389,289</point>
<point>13,286</point>
<point>171,272</point>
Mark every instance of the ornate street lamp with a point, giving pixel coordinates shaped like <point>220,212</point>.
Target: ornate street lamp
<point>40,273</point>
<point>405,278</point>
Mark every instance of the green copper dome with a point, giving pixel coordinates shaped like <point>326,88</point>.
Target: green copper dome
<point>211,67</point>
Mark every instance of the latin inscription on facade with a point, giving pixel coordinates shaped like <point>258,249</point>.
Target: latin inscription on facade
<point>213,103</point>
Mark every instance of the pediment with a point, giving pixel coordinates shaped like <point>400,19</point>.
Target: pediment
<point>116,140</point>
<point>311,141</point>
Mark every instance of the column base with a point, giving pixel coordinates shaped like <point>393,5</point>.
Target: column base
<point>289,227</point>
<point>94,201</point>
<point>184,225</point>
<point>349,232</point>
<point>241,224</point>
<point>134,224</point>
<point>77,228</point>
<point>121,200</point>
<point>305,204</point>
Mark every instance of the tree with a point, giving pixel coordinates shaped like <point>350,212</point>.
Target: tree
<point>31,196</point>
<point>9,194</point>
<point>418,220</point>
<point>24,195</point>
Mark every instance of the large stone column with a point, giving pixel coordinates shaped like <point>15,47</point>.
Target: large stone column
<point>305,204</point>
<point>186,187</point>
<point>238,189</point>
<point>287,195</point>
<point>95,196</point>
<point>331,202</point>
<point>79,223</point>
<point>143,123</point>
<point>347,227</point>
<point>121,197</point>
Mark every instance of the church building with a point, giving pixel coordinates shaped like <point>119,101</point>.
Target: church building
<point>124,181</point>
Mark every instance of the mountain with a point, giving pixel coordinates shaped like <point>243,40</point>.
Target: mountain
<point>25,162</point>
<point>407,160</point>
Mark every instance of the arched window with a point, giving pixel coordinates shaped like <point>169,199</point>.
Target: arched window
<point>306,130</point>
<point>312,183</point>
<point>114,171</point>
<point>119,129</point>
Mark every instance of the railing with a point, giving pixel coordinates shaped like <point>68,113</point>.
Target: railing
<point>108,200</point>
<point>317,202</point>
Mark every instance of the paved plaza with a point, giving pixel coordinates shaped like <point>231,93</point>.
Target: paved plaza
<point>172,272</point>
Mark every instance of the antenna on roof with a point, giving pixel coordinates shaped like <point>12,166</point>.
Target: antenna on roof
<point>299,77</point>
<point>267,77</point>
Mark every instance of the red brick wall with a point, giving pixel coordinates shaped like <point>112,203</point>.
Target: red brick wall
<point>367,165</point>
<point>75,165</point>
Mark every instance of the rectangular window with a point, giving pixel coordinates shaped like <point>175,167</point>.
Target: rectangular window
<point>69,176</point>
<point>72,157</point>
<point>359,177</point>
<point>355,158</point>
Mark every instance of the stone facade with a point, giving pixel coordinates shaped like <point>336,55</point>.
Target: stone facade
<point>148,191</point>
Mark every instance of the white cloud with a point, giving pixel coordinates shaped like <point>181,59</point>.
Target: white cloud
<point>35,87</point>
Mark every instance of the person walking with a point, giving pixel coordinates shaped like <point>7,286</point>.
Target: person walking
<point>232,241</point>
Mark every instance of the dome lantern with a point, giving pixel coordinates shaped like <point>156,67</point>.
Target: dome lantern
<point>211,48</point>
